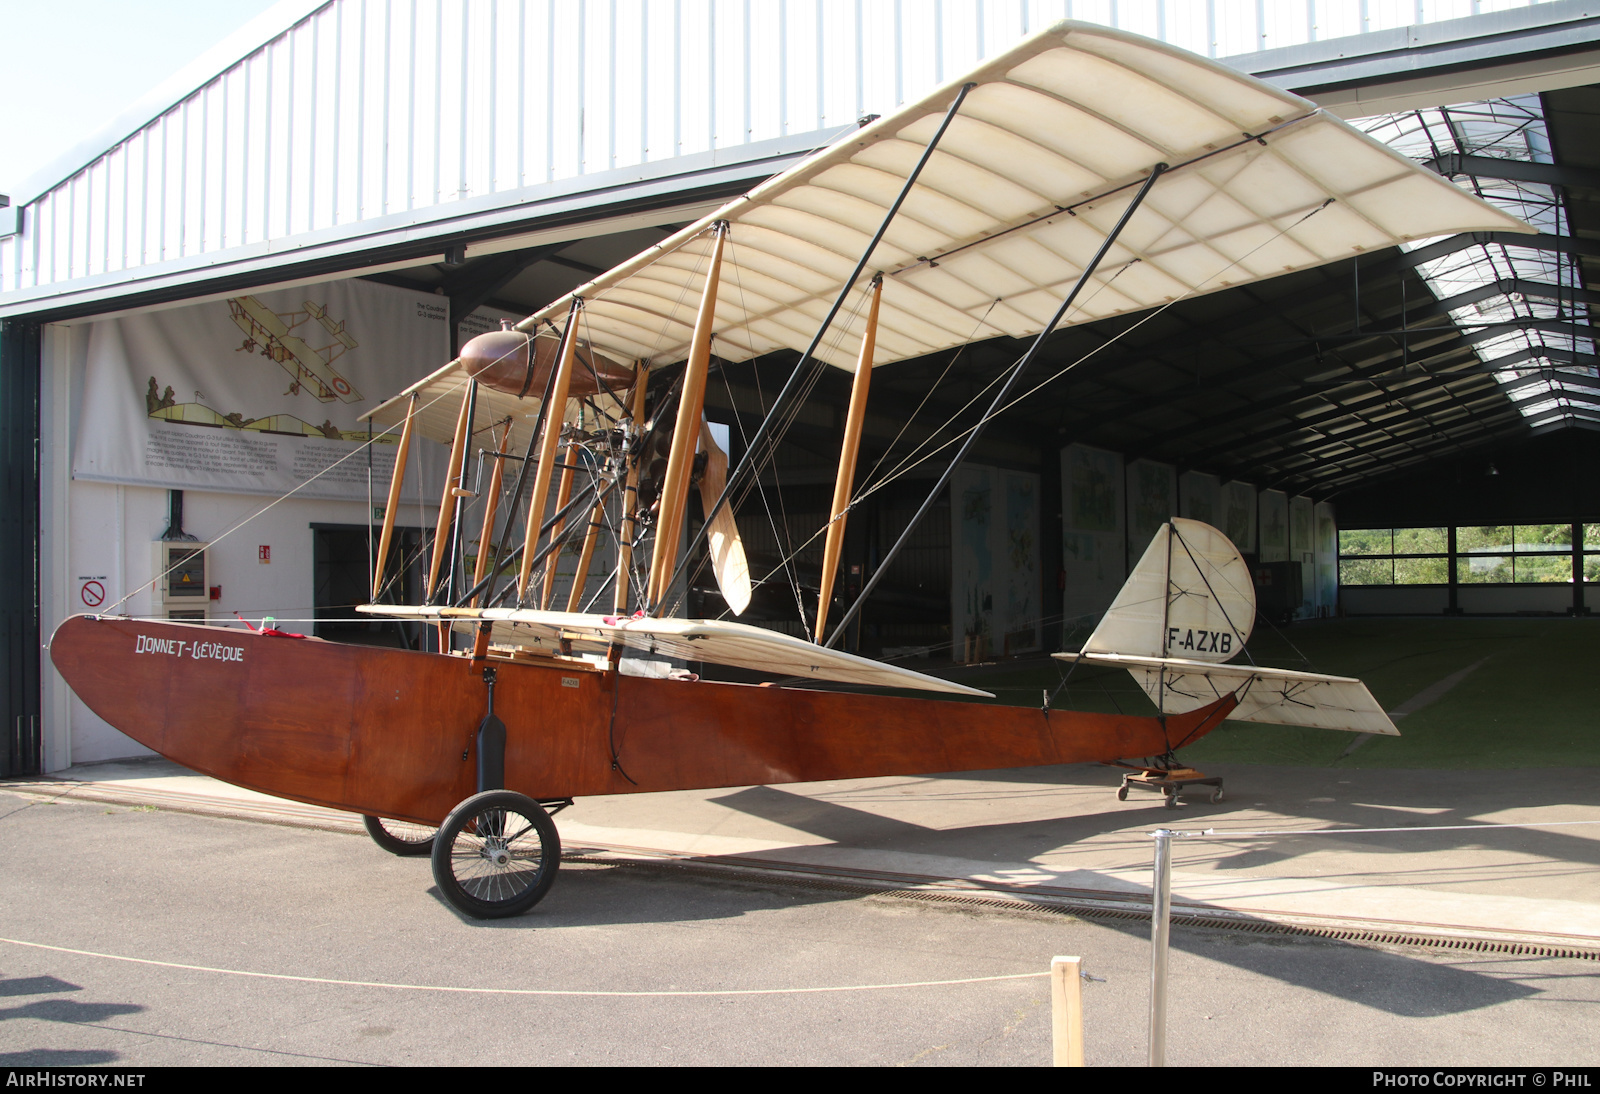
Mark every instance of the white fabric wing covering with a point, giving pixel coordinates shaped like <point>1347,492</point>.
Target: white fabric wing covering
<point>1034,171</point>
<point>721,643</point>
<point>1191,596</point>
<point>1274,696</point>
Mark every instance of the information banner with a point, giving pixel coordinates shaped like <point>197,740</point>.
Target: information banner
<point>1274,517</point>
<point>1239,515</point>
<point>1093,534</point>
<point>259,393</point>
<point>1201,498</point>
<point>1152,501</point>
<point>994,603</point>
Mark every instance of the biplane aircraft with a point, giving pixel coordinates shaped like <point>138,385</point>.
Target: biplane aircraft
<point>1086,172</point>
<point>309,369</point>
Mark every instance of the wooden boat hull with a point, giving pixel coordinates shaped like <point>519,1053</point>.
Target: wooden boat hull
<point>392,732</point>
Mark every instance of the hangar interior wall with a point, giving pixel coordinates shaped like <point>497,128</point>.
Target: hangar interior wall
<point>110,531</point>
<point>1112,508</point>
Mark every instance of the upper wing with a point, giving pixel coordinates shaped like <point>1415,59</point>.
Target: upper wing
<point>1038,164</point>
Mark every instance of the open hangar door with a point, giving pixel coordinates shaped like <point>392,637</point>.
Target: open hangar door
<point>261,393</point>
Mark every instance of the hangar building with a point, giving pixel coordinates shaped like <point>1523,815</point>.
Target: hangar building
<point>198,304</point>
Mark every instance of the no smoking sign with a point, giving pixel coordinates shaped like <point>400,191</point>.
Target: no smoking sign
<point>92,592</point>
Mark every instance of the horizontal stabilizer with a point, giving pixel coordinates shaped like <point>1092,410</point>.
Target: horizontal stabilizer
<point>722,643</point>
<point>1274,696</point>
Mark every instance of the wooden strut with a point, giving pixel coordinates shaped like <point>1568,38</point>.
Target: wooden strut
<point>490,505</point>
<point>553,413</point>
<point>396,478</point>
<point>630,493</point>
<point>847,459</point>
<point>447,498</point>
<point>569,463</point>
<point>581,577</point>
<point>754,451</point>
<point>685,433</point>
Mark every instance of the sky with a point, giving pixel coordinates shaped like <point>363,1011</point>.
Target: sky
<point>72,66</point>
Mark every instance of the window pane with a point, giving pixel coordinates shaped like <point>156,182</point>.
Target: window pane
<point>1492,539</point>
<point>1420,541</point>
<point>1421,571</point>
<point>1544,568</point>
<point>1483,569</point>
<point>1365,541</point>
<point>1544,537</point>
<point>1366,571</point>
<point>1591,567</point>
<point>1591,536</point>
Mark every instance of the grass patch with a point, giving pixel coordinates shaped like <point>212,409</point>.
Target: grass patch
<point>1533,703</point>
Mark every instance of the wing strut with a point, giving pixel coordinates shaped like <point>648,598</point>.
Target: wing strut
<point>686,432</point>
<point>847,461</point>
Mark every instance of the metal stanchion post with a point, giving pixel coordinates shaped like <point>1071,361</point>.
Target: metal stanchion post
<point>1160,911</point>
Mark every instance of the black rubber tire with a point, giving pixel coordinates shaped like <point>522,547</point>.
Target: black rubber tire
<point>400,837</point>
<point>496,855</point>
<point>1216,795</point>
<point>1172,799</point>
<point>1122,793</point>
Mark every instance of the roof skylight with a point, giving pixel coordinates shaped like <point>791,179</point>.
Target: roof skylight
<point>1518,302</point>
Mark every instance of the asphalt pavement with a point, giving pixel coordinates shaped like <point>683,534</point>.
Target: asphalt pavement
<point>140,936</point>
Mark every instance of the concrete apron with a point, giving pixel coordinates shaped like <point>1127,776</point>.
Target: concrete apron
<point>1058,836</point>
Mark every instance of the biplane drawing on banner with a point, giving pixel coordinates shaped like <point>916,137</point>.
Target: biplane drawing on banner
<point>272,334</point>
<point>256,393</point>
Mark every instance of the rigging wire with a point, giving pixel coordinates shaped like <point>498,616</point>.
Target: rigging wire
<point>865,491</point>
<point>998,377</point>
<point>906,465</point>
<point>786,536</point>
<point>766,505</point>
<point>902,468</point>
<point>961,349</point>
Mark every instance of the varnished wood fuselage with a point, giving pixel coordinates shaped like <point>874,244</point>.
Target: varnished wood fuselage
<point>391,732</point>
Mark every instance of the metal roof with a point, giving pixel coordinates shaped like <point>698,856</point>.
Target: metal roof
<point>1312,382</point>
<point>356,132</point>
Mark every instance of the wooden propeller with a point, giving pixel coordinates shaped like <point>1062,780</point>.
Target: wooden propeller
<point>727,550</point>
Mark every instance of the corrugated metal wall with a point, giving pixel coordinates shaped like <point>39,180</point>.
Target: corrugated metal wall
<point>372,112</point>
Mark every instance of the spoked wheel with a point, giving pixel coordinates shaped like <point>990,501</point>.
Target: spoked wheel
<point>400,837</point>
<point>496,855</point>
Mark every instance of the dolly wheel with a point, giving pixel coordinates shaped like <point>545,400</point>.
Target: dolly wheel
<point>496,855</point>
<point>401,838</point>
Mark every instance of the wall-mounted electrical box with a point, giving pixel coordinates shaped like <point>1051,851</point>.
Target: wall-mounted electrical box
<point>183,578</point>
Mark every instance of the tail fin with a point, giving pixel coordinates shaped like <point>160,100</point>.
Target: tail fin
<point>1191,596</point>
<point>1190,605</point>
